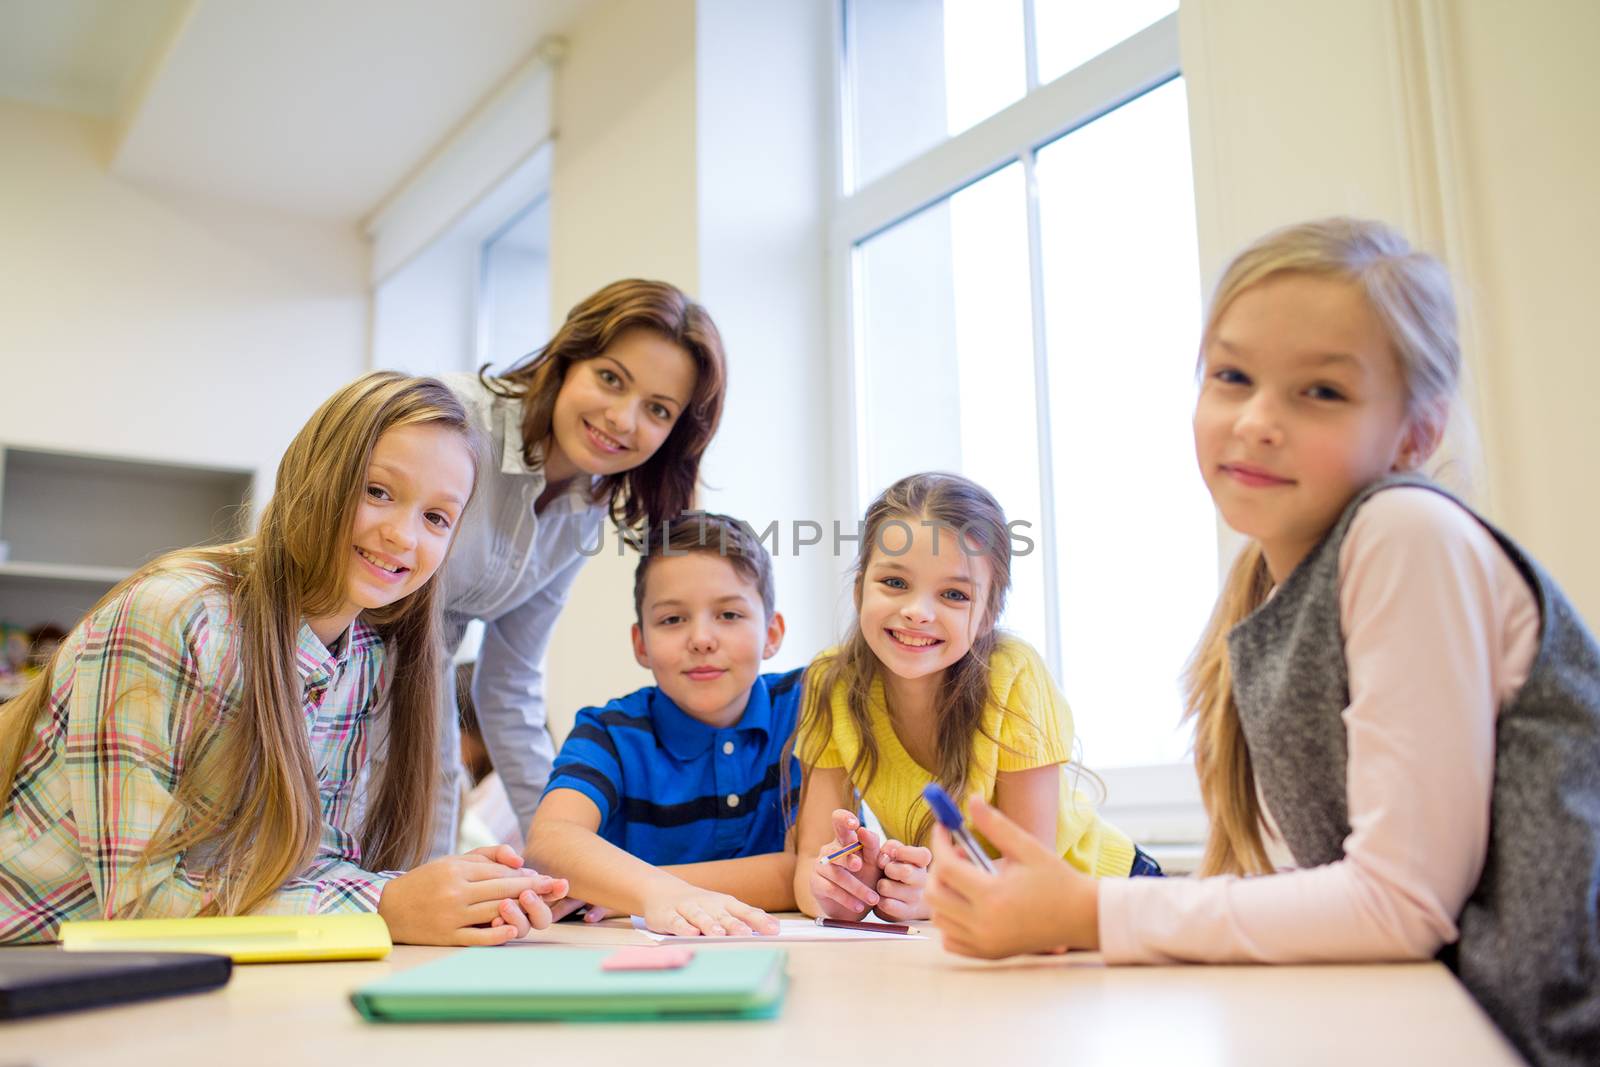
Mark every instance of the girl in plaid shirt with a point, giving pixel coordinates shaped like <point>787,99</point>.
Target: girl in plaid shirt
<point>200,744</point>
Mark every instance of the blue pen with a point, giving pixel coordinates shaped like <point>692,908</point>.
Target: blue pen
<point>949,816</point>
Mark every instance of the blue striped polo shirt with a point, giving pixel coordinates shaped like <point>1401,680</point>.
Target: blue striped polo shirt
<point>672,789</point>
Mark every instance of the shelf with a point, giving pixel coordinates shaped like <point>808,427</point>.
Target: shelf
<point>65,572</point>
<point>75,524</point>
<point>55,463</point>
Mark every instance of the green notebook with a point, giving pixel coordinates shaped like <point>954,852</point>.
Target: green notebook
<point>520,983</point>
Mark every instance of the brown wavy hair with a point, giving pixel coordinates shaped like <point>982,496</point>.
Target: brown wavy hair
<point>1410,294</point>
<point>249,790</point>
<point>663,485</point>
<point>955,503</point>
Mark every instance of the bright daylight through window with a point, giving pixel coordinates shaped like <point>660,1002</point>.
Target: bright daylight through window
<point>1023,300</point>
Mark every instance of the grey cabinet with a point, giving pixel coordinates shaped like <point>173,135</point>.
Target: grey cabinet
<point>73,525</point>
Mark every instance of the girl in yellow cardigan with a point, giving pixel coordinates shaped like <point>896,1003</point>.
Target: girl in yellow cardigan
<point>925,689</point>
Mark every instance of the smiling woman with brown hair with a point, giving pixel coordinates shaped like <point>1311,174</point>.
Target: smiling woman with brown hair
<point>610,418</point>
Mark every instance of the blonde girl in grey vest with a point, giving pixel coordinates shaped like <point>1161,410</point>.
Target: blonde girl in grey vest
<point>1397,712</point>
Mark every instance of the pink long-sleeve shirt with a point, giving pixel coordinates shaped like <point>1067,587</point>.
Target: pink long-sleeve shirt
<point>1440,631</point>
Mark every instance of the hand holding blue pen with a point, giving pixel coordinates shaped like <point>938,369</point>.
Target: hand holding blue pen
<point>949,816</point>
<point>1035,902</point>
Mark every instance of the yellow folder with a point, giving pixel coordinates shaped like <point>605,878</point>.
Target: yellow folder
<point>247,938</point>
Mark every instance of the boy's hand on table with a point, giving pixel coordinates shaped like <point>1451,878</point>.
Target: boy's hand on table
<point>700,912</point>
<point>845,888</point>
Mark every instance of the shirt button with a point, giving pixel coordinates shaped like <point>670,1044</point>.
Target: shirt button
<point>727,748</point>
<point>733,800</point>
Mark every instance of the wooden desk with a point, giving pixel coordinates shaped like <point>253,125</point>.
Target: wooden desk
<point>909,1002</point>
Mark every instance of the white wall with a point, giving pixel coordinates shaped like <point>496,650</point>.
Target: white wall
<point>1473,127</point>
<point>692,146</point>
<point>622,204</point>
<point>1527,99</point>
<point>763,90</point>
<point>423,315</point>
<point>132,323</point>
<point>623,186</point>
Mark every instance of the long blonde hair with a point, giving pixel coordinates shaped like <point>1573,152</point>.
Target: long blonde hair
<point>1410,294</point>
<point>249,789</point>
<point>955,504</point>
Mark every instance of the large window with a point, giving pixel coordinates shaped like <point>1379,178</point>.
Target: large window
<point>1016,246</point>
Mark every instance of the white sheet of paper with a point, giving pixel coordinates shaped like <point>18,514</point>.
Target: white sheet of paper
<point>587,934</point>
<point>788,930</point>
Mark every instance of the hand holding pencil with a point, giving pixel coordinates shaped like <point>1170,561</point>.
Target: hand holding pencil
<point>846,870</point>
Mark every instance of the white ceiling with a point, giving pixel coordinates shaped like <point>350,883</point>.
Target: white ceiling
<point>80,55</point>
<point>315,108</point>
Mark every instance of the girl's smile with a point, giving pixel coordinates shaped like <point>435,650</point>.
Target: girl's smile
<point>918,601</point>
<point>915,641</point>
<point>386,567</point>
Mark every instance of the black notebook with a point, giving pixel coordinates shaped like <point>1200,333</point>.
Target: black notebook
<point>34,981</point>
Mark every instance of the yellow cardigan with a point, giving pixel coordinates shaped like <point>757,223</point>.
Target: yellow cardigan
<point>1033,725</point>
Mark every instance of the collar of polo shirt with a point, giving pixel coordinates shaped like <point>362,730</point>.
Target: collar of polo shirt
<point>687,737</point>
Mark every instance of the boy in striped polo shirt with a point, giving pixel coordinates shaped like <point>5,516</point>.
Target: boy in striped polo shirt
<point>667,803</point>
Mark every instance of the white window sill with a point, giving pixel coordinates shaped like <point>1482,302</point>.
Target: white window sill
<point>1176,859</point>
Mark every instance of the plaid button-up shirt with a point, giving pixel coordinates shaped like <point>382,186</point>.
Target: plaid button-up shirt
<point>103,762</point>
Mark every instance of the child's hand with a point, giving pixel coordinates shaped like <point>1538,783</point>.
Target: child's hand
<point>905,876</point>
<point>844,888</point>
<point>532,909</point>
<point>564,907</point>
<point>1035,902</point>
<point>699,911</point>
<point>567,905</point>
<point>455,900</point>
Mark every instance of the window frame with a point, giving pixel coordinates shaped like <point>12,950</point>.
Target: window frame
<point>484,292</point>
<point>1154,803</point>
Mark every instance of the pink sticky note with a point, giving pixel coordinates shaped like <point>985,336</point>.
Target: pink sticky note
<point>647,959</point>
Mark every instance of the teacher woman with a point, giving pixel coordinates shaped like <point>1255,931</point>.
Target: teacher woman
<point>610,418</point>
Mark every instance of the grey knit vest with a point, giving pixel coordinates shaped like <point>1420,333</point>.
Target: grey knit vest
<point>1529,949</point>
